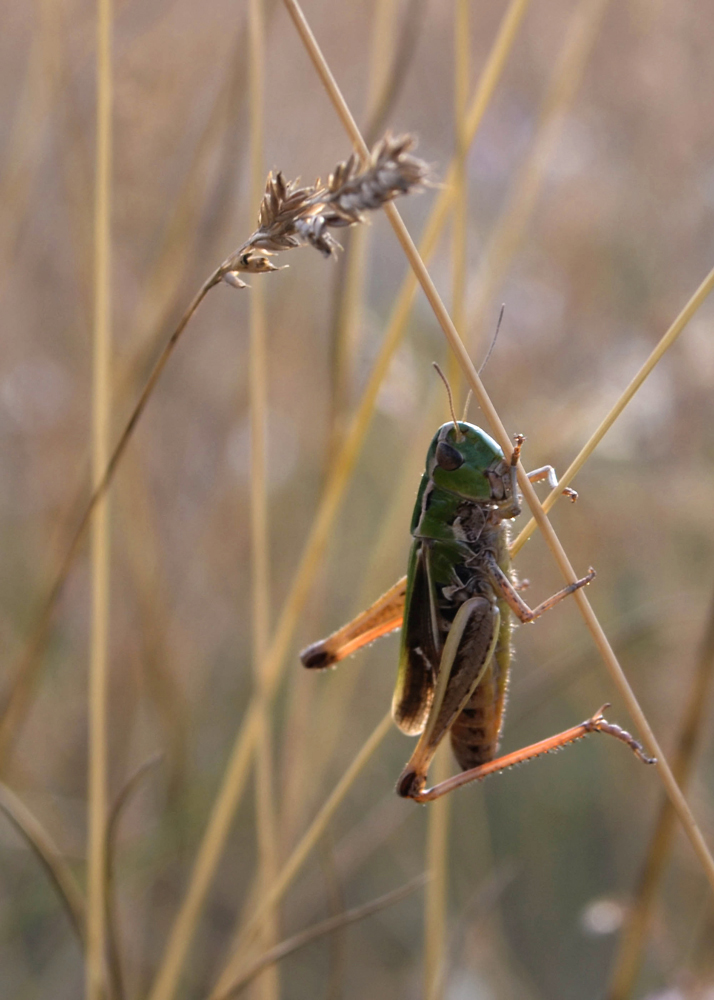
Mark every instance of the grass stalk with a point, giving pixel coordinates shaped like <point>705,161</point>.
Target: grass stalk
<point>98,665</point>
<point>59,872</point>
<point>669,338</point>
<point>582,32</point>
<point>303,849</point>
<point>266,834</point>
<point>320,930</point>
<point>19,691</point>
<point>628,958</point>
<point>460,214</point>
<point>114,950</point>
<point>615,670</point>
<point>436,895</point>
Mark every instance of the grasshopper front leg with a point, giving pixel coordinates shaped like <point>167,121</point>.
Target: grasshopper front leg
<point>505,589</point>
<point>545,471</point>
<point>548,472</point>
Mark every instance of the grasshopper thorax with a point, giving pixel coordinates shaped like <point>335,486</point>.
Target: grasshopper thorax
<point>473,467</point>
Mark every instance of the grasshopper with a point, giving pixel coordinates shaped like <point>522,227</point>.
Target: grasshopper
<point>455,609</point>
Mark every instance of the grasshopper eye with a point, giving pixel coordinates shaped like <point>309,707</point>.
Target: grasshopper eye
<point>448,457</point>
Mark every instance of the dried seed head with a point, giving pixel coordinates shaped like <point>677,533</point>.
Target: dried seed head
<point>291,216</point>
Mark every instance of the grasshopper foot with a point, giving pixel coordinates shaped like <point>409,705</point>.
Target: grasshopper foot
<point>410,783</point>
<point>599,724</point>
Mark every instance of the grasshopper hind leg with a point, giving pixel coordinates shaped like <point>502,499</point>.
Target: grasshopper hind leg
<point>466,659</point>
<point>596,724</point>
<point>384,616</point>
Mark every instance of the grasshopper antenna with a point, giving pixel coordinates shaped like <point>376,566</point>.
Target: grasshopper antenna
<point>485,360</point>
<point>459,435</point>
<point>495,338</point>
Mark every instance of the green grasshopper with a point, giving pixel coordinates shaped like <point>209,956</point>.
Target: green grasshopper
<point>454,607</point>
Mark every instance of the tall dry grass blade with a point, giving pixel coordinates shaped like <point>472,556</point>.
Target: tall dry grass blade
<point>114,949</point>
<point>617,674</point>
<point>232,785</point>
<point>99,654</point>
<point>697,299</point>
<point>179,240</point>
<point>268,987</point>
<point>459,222</point>
<point>320,930</point>
<point>19,689</point>
<point>388,85</point>
<point>301,852</point>
<point>336,902</point>
<point>582,32</point>
<point>28,129</point>
<point>628,958</point>
<point>389,64</point>
<point>436,895</point>
<point>59,872</point>
<point>210,849</point>
<point>161,635</point>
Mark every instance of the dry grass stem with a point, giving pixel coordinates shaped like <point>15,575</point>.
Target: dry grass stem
<point>634,931</point>
<point>59,872</point>
<point>436,895</point>
<point>115,961</point>
<point>582,32</point>
<point>494,421</point>
<point>265,812</point>
<point>320,930</point>
<point>302,851</point>
<point>99,654</point>
<point>694,303</point>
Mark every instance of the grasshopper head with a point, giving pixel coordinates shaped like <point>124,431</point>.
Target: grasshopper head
<point>473,467</point>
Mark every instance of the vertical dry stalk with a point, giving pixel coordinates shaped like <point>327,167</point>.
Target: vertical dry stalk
<point>611,662</point>
<point>503,244</point>
<point>606,423</point>
<point>629,954</point>
<point>52,859</point>
<point>302,851</point>
<point>268,986</point>
<point>436,894</point>
<point>390,56</point>
<point>460,215</point>
<point>97,848</point>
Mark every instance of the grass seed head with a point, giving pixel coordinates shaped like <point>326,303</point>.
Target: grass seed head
<point>291,216</point>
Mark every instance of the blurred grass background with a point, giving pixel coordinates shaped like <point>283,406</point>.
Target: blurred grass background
<point>541,861</point>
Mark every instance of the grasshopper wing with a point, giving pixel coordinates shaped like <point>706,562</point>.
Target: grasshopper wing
<point>421,647</point>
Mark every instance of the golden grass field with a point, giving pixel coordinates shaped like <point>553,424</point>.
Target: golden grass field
<point>187,813</point>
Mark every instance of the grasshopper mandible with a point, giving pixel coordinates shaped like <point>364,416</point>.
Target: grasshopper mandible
<point>454,608</point>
